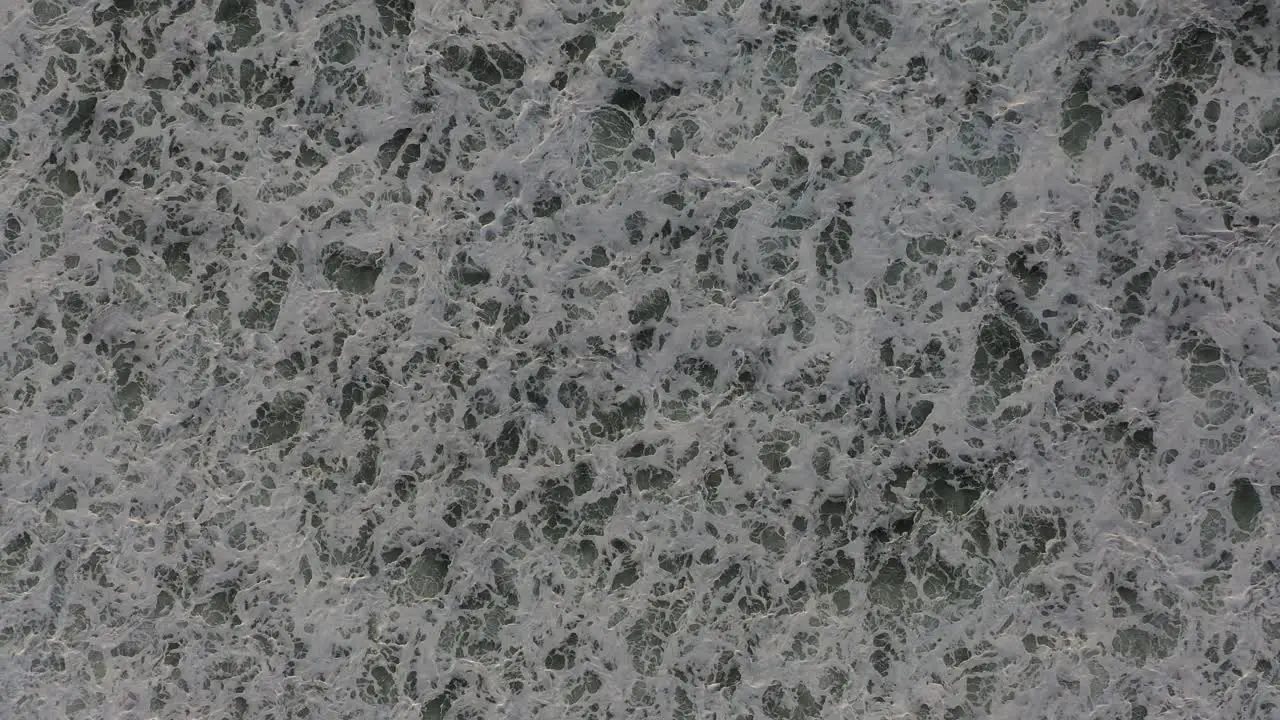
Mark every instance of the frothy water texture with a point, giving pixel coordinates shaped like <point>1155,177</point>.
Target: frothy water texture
<point>536,359</point>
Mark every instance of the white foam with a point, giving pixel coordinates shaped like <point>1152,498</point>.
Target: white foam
<point>707,359</point>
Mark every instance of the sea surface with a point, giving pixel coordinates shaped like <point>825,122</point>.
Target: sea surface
<point>679,360</point>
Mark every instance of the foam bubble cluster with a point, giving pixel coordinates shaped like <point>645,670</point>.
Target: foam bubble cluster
<point>691,359</point>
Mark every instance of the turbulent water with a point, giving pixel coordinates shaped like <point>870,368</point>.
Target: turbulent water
<point>687,359</point>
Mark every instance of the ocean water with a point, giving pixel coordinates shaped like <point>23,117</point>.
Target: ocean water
<point>540,359</point>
